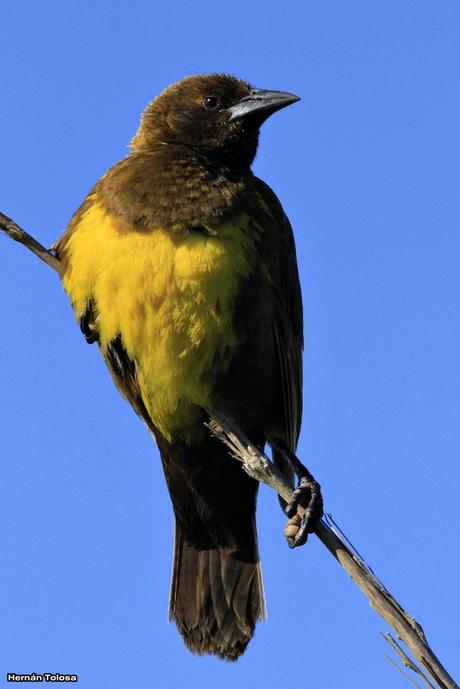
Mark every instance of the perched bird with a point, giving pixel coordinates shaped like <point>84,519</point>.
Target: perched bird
<point>181,265</point>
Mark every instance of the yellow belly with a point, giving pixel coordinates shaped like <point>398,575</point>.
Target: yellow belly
<point>170,295</point>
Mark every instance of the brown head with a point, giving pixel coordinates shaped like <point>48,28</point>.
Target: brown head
<point>217,115</point>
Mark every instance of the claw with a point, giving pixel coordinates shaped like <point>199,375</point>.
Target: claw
<point>307,496</point>
<point>292,529</point>
<point>300,497</point>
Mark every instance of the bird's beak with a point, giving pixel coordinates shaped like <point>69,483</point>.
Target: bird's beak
<point>261,103</point>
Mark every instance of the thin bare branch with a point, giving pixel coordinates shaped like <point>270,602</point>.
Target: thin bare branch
<point>406,660</point>
<point>399,669</point>
<point>257,465</point>
<point>13,230</point>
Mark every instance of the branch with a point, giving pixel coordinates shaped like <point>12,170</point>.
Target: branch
<point>404,674</point>
<point>257,465</point>
<point>19,235</point>
<point>406,660</point>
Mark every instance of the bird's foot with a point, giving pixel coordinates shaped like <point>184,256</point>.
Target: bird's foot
<point>307,496</point>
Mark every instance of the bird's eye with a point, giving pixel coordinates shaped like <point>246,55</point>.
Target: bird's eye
<point>212,102</point>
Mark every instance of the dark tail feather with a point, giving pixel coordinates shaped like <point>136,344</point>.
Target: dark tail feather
<point>216,598</point>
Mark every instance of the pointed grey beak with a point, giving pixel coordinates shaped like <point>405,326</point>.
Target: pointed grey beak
<point>261,102</point>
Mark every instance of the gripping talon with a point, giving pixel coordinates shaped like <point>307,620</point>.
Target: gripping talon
<point>292,529</point>
<point>307,495</point>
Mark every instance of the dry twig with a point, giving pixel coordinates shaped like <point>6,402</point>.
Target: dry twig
<point>19,235</point>
<point>257,465</point>
<point>406,660</point>
<point>401,671</point>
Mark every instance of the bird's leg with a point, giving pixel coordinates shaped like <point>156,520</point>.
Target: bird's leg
<point>306,495</point>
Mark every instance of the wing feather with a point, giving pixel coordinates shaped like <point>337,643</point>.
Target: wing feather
<point>288,321</point>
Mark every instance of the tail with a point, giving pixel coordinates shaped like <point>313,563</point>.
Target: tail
<point>216,597</point>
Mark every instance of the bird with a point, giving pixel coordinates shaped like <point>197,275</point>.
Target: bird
<point>181,265</point>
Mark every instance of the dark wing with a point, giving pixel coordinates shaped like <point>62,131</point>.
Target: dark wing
<point>288,321</point>
<point>122,369</point>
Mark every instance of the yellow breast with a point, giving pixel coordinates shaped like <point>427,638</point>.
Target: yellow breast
<point>170,295</point>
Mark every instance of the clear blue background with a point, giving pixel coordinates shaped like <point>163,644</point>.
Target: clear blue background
<point>367,166</point>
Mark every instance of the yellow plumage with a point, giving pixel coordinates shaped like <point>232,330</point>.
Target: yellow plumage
<point>170,295</point>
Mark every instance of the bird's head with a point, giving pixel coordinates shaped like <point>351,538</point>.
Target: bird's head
<point>215,114</point>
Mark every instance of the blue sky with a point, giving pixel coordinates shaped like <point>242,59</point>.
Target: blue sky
<point>367,167</point>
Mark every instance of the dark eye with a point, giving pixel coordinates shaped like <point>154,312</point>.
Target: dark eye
<point>212,102</point>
